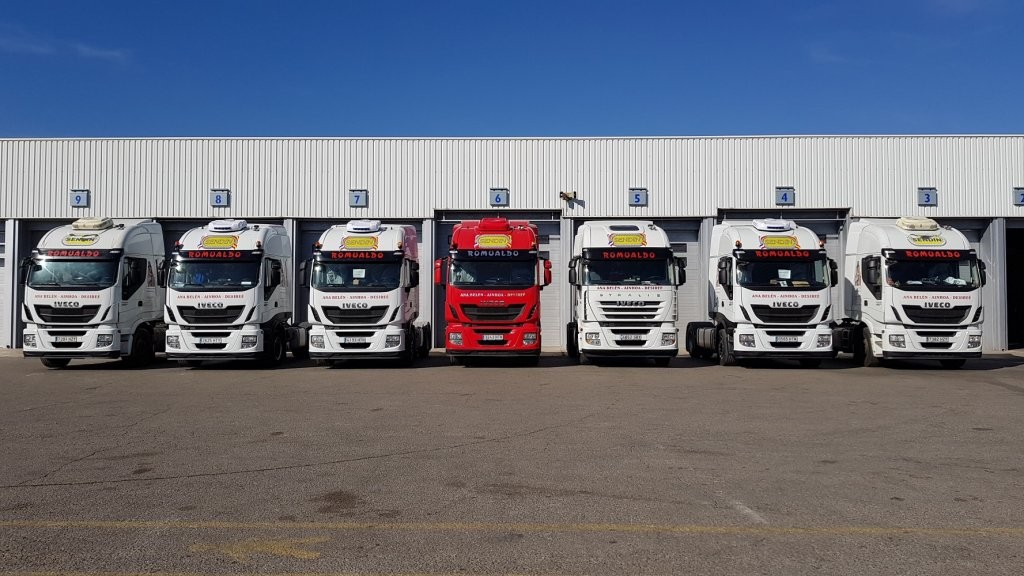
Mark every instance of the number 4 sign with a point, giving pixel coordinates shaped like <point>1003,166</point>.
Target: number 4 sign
<point>785,196</point>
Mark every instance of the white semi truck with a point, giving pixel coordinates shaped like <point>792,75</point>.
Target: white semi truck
<point>770,295</point>
<point>229,294</point>
<point>913,290</point>
<point>364,296</point>
<point>92,291</point>
<point>624,277</point>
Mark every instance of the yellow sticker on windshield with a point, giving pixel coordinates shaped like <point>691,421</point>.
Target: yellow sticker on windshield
<point>219,242</point>
<point>359,243</point>
<point>627,239</point>
<point>779,242</point>
<point>493,241</point>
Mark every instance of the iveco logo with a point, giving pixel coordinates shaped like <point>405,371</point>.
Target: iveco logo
<point>209,304</point>
<point>785,304</point>
<point>629,303</point>
<point>67,304</point>
<point>937,304</point>
<point>354,305</point>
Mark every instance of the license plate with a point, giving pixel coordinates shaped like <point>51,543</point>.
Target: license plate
<point>67,338</point>
<point>787,338</point>
<point>937,339</point>
<point>207,340</point>
<point>353,340</point>
<point>493,337</point>
<point>632,337</point>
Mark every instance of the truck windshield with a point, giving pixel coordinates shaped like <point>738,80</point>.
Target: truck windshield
<point>509,273</point>
<point>934,276</point>
<point>200,276</point>
<point>782,274</point>
<point>625,272</point>
<point>356,276</point>
<point>77,274</point>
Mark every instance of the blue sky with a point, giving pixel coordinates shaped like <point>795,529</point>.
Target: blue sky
<point>510,68</point>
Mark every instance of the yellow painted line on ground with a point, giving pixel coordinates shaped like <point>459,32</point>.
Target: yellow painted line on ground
<point>759,530</point>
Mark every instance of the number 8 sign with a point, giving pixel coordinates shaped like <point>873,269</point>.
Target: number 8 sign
<point>220,198</point>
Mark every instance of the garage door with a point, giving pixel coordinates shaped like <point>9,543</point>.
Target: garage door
<point>5,291</point>
<point>685,238</point>
<point>309,231</point>
<point>29,235</point>
<point>552,319</point>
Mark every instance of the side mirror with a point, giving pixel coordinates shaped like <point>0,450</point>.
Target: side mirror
<point>981,268</point>
<point>547,272</point>
<point>439,272</point>
<point>23,270</point>
<point>872,271</point>
<point>680,264</point>
<point>161,274</point>
<point>833,272</point>
<point>573,274</point>
<point>305,269</point>
<point>414,274</point>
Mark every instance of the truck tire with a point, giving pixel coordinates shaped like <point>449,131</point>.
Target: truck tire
<point>695,350</point>
<point>274,353</point>
<point>55,363</point>
<point>952,363</point>
<point>572,348</point>
<point>142,349</point>
<point>409,354</point>
<point>870,360</point>
<point>425,333</point>
<point>725,354</point>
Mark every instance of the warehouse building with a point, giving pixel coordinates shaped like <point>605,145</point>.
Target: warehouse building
<point>685,185</point>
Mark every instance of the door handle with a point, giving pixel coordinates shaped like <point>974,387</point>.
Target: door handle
<point>140,303</point>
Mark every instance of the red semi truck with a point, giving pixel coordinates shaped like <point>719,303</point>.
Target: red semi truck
<point>493,276</point>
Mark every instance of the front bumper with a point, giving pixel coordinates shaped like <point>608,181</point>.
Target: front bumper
<point>629,341</point>
<point>84,344</point>
<point>492,340</point>
<point>348,343</point>
<point>208,343</point>
<point>953,344</point>
<point>782,343</point>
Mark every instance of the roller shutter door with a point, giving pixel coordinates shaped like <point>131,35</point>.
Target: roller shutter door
<point>5,292</point>
<point>685,238</point>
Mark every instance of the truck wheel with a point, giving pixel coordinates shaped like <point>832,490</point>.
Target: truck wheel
<point>870,360</point>
<point>953,363</point>
<point>142,349</point>
<point>424,342</point>
<point>810,363</point>
<point>409,353</point>
<point>572,349</point>
<point>273,354</point>
<point>55,363</point>
<point>725,355</point>
<point>695,350</point>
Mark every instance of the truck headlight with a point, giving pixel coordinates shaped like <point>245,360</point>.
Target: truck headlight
<point>316,341</point>
<point>530,338</point>
<point>824,340</point>
<point>29,341</point>
<point>898,340</point>
<point>593,338</point>
<point>249,341</point>
<point>104,340</point>
<point>668,339</point>
<point>745,339</point>
<point>974,341</point>
<point>392,340</point>
<point>173,341</point>
<point>455,338</point>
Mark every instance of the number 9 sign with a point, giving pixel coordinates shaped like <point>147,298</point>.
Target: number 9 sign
<point>78,198</point>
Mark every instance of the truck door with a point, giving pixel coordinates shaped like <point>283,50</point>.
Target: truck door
<point>133,303</point>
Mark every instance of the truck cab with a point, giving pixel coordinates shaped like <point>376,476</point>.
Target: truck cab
<point>229,294</point>
<point>771,298</point>
<point>492,278</point>
<point>92,291</point>
<point>914,292</point>
<point>624,278</point>
<point>364,296</point>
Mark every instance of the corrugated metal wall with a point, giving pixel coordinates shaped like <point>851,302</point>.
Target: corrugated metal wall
<point>410,178</point>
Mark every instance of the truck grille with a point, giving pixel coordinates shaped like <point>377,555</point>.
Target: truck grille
<point>492,313</point>
<point>920,315</point>
<point>371,315</point>
<point>80,315</point>
<point>226,315</point>
<point>801,315</point>
<point>640,310</point>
